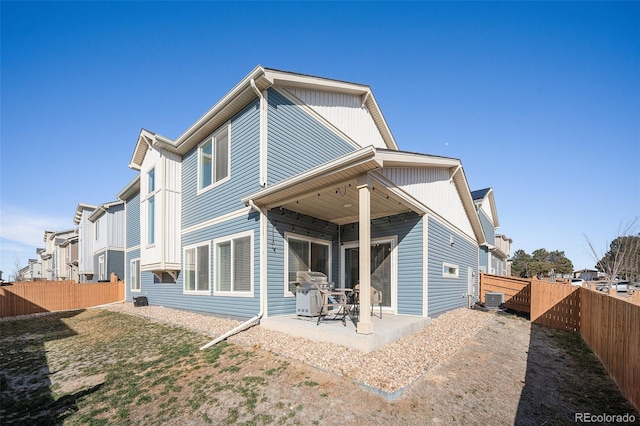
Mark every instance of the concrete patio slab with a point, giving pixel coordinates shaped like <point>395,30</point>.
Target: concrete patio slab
<point>385,330</point>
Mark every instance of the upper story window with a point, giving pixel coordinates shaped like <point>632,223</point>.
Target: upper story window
<point>151,206</point>
<point>214,159</point>
<point>151,181</point>
<point>96,226</point>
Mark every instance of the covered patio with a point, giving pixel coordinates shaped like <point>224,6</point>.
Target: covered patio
<point>350,190</point>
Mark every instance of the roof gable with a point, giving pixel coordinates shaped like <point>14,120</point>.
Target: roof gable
<point>258,80</point>
<point>485,201</point>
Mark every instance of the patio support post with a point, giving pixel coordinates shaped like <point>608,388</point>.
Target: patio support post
<point>365,326</point>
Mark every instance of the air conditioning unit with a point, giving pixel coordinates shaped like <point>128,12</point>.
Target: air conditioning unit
<point>493,300</point>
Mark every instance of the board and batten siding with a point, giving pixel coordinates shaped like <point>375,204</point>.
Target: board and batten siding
<point>407,229</point>
<point>487,226</point>
<point>85,241</point>
<point>297,142</point>
<point>171,294</point>
<point>489,233</point>
<point>112,222</point>
<point>244,172</point>
<point>167,168</point>
<point>446,293</point>
<point>433,187</point>
<point>280,301</point>
<point>345,112</point>
<point>486,209</point>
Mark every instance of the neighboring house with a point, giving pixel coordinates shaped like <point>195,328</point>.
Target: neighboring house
<point>107,235</point>
<point>31,272</point>
<point>494,254</point>
<point>60,255</point>
<point>85,242</point>
<point>66,256</point>
<point>502,254</point>
<point>46,256</point>
<point>292,172</point>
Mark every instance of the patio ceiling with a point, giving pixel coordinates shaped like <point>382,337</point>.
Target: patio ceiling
<point>331,193</point>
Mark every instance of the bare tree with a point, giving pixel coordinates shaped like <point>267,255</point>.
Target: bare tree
<point>16,275</point>
<point>621,255</point>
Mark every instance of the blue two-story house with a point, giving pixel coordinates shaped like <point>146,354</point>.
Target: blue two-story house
<point>291,172</point>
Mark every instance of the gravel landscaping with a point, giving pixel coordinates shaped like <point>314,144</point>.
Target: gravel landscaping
<point>387,370</point>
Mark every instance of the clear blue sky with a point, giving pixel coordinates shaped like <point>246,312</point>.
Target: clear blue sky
<point>540,100</point>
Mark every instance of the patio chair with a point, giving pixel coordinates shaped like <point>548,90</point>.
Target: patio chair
<point>376,298</point>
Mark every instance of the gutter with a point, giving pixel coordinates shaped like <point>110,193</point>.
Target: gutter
<point>263,291</point>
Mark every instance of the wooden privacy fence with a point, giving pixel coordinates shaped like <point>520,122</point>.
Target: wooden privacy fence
<point>517,291</point>
<point>26,298</point>
<point>555,305</point>
<point>609,326</point>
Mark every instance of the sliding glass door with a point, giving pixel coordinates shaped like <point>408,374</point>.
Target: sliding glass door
<point>382,268</point>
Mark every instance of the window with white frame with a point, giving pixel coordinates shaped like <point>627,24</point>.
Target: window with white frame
<point>134,274</point>
<point>96,226</point>
<point>196,269</point>
<point>450,270</point>
<point>101,269</point>
<point>151,206</point>
<point>214,159</point>
<point>234,265</point>
<point>307,254</point>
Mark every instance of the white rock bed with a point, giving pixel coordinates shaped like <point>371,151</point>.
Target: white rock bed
<point>388,369</point>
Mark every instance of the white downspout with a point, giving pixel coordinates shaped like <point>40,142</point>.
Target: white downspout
<point>263,280</point>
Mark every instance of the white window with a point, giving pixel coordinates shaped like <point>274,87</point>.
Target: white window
<point>449,270</point>
<point>134,275</point>
<point>214,159</point>
<point>96,226</point>
<point>196,269</point>
<point>151,206</point>
<point>101,274</point>
<point>306,254</point>
<point>234,265</point>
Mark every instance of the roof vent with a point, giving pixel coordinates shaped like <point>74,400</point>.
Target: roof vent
<point>493,300</point>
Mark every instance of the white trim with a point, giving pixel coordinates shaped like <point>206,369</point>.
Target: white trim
<point>232,238</point>
<point>300,237</point>
<point>184,269</point>
<point>225,128</point>
<point>139,276</point>
<point>425,265</point>
<point>216,220</point>
<point>448,265</point>
<point>264,142</point>
<point>393,239</point>
<point>128,249</point>
<point>101,268</point>
<point>264,300</point>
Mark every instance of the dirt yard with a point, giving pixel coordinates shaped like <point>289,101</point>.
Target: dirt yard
<point>101,367</point>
